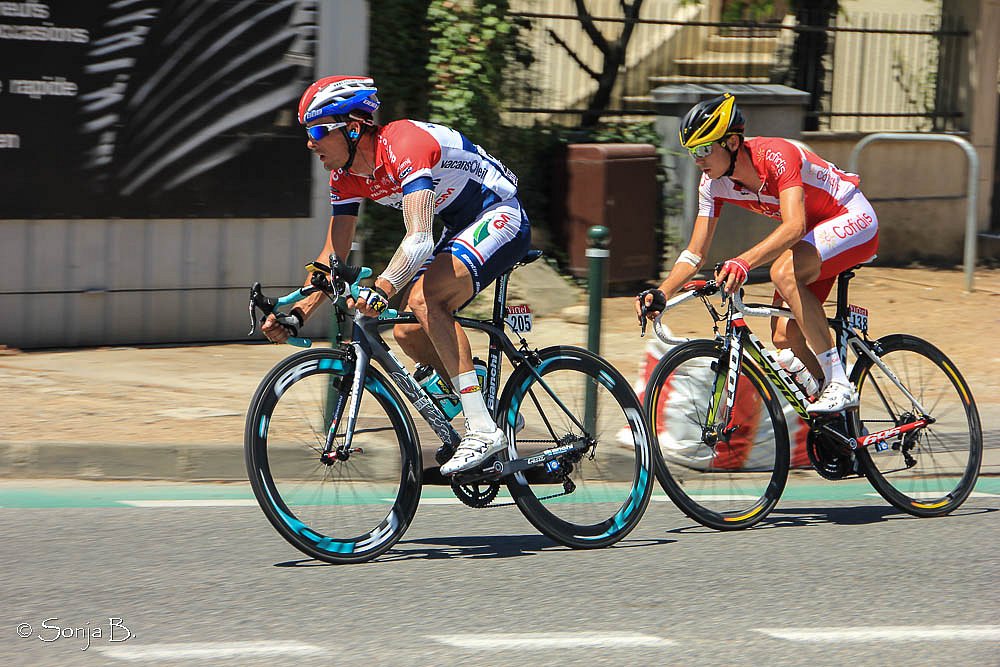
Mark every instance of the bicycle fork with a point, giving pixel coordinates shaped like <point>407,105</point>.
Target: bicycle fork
<point>330,454</point>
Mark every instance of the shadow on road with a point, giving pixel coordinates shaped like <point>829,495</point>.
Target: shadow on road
<point>482,546</point>
<point>852,516</point>
<point>843,516</point>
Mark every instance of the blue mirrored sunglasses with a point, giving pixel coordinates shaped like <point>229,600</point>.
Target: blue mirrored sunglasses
<point>317,132</point>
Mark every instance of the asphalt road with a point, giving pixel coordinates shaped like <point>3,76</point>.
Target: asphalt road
<point>216,585</point>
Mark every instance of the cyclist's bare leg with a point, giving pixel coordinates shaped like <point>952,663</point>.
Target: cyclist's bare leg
<point>785,333</point>
<point>791,273</point>
<point>414,341</point>
<point>444,287</point>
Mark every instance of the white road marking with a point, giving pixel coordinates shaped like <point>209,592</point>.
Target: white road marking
<point>208,650</point>
<point>887,633</point>
<point>531,641</point>
<point>217,502</point>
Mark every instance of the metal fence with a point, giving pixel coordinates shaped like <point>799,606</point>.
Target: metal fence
<point>865,72</point>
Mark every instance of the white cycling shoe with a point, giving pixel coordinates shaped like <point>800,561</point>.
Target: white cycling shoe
<point>835,397</point>
<point>476,447</point>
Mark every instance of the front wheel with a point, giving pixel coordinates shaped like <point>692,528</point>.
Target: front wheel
<point>347,510</point>
<point>583,499</point>
<point>929,471</point>
<point>725,481</point>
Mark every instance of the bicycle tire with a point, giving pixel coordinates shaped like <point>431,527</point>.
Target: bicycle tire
<point>946,454</point>
<point>348,511</point>
<point>736,482</point>
<point>612,482</point>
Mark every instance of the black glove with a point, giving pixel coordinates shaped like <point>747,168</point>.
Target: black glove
<point>659,300</point>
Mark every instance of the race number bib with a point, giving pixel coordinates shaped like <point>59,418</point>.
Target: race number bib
<point>518,318</point>
<point>857,317</point>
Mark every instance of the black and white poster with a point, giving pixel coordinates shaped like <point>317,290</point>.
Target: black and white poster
<point>154,108</point>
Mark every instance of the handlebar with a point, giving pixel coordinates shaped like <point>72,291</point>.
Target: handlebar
<point>704,289</point>
<point>335,281</point>
<point>695,288</point>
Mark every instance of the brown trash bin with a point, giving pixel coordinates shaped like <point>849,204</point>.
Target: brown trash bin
<point>613,185</point>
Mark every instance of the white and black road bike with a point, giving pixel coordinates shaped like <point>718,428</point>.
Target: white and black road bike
<point>723,443</point>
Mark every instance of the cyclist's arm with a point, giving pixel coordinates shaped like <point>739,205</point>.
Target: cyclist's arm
<point>339,237</point>
<point>791,230</point>
<point>693,256</point>
<point>417,245</point>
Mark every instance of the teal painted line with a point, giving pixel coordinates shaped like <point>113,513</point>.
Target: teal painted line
<point>108,494</point>
<point>42,494</point>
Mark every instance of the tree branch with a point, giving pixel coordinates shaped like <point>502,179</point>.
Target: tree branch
<point>631,20</point>
<point>572,54</point>
<point>587,21</point>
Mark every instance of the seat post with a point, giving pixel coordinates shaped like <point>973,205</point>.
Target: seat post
<point>842,282</point>
<point>500,299</point>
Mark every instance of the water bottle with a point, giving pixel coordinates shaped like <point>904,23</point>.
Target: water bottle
<point>438,389</point>
<point>792,364</point>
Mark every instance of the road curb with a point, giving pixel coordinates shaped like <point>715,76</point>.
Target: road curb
<point>192,462</point>
<point>162,461</point>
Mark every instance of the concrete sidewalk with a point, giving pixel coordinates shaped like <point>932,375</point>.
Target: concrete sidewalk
<point>178,412</point>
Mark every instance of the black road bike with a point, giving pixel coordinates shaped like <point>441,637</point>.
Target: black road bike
<point>334,456</point>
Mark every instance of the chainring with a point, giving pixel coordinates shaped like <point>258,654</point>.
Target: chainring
<point>826,459</point>
<point>477,494</point>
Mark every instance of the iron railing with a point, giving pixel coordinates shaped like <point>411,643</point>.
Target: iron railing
<point>865,72</point>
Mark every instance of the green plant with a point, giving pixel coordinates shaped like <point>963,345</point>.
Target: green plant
<point>471,42</point>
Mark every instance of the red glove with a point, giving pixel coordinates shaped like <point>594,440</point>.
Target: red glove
<point>738,269</point>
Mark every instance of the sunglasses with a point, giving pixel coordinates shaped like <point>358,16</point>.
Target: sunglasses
<point>702,151</point>
<point>317,132</point>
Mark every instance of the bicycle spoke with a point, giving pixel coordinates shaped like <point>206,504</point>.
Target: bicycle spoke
<point>932,470</point>
<point>584,498</point>
<point>337,509</point>
<point>723,480</point>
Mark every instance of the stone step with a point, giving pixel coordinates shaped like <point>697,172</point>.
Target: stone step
<point>743,44</point>
<point>722,64</point>
<point>655,81</point>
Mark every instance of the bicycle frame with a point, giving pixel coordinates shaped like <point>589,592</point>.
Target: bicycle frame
<point>368,345</point>
<point>740,340</point>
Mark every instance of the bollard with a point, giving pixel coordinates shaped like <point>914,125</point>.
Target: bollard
<point>598,254</point>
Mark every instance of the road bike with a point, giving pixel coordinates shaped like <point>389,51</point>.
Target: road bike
<point>334,456</point>
<point>723,444</point>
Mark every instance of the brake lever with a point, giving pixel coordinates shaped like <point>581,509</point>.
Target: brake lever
<point>259,302</point>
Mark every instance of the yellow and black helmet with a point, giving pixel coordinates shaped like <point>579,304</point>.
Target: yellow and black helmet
<point>711,120</point>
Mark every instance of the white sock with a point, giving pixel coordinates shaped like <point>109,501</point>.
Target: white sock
<point>473,404</point>
<point>833,369</point>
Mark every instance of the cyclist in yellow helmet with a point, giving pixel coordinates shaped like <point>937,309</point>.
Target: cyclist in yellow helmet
<point>826,226</point>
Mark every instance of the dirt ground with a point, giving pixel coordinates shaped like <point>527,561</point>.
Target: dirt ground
<point>200,394</point>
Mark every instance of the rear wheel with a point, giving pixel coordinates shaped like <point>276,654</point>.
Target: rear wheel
<point>726,482</point>
<point>585,499</point>
<point>353,508</point>
<point>929,471</point>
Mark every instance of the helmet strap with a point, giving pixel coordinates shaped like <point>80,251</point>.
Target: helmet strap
<point>352,148</point>
<point>732,156</point>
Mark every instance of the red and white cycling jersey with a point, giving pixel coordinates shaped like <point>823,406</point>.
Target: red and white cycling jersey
<point>782,165</point>
<point>412,155</point>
